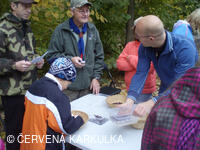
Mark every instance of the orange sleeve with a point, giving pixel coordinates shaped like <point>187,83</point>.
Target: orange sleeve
<point>130,63</point>
<point>52,122</point>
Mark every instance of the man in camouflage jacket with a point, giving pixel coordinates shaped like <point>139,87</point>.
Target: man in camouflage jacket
<point>17,45</point>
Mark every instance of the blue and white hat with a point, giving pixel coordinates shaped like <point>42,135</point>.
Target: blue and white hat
<point>63,68</point>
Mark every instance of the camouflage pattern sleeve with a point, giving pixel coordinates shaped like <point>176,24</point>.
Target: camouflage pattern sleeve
<point>5,63</point>
<point>15,45</point>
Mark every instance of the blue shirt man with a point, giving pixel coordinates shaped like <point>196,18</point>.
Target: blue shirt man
<point>171,54</point>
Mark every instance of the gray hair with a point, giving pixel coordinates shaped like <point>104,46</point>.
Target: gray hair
<point>194,20</point>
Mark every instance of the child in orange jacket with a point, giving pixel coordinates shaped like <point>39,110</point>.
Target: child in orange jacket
<point>48,118</point>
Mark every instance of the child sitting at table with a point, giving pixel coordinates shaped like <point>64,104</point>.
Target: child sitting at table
<point>47,117</point>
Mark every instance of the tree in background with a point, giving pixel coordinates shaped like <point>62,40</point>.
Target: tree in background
<point>4,6</point>
<point>113,32</point>
<point>131,12</point>
<point>168,10</point>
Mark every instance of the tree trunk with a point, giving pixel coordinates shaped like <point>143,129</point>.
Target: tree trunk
<point>129,33</point>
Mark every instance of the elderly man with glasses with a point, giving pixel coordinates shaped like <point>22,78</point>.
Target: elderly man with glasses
<point>79,40</point>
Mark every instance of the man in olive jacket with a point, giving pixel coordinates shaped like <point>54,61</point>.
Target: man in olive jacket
<point>17,49</point>
<point>79,40</point>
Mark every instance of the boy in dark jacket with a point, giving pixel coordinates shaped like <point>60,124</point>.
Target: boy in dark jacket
<point>47,117</point>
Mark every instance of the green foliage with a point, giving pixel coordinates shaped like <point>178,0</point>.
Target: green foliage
<point>110,17</point>
<point>113,31</point>
<point>168,10</point>
<point>4,6</point>
<point>45,17</point>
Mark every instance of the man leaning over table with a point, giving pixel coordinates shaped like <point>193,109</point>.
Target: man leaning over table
<point>17,49</point>
<point>172,55</point>
<point>79,40</point>
<point>127,61</point>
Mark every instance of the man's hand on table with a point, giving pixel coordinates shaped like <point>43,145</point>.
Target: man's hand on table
<point>140,110</point>
<point>126,108</point>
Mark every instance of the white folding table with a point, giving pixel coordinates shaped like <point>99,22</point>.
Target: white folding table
<point>102,137</point>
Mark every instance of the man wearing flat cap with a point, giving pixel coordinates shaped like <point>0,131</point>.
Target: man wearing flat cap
<point>79,40</point>
<point>17,49</point>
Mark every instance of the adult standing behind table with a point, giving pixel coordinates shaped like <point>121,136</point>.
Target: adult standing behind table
<point>17,48</point>
<point>171,54</point>
<point>127,61</point>
<point>79,40</point>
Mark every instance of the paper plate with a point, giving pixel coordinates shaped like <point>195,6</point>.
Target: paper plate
<point>82,114</point>
<point>115,100</point>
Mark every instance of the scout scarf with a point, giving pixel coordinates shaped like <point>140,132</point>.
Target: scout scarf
<point>80,33</point>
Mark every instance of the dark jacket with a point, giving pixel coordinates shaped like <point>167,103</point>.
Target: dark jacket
<point>64,43</point>
<point>47,114</point>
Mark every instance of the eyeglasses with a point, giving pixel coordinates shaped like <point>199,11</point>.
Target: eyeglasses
<point>146,36</point>
<point>82,12</point>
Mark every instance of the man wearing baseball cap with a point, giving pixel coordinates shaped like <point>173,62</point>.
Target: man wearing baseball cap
<point>17,49</point>
<point>79,40</point>
<point>24,1</point>
<point>79,3</point>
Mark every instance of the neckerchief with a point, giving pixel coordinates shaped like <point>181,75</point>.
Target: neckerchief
<point>80,33</point>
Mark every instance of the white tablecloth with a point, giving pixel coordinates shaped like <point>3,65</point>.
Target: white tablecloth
<point>102,137</point>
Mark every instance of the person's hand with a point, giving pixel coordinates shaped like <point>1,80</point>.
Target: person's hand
<point>22,65</point>
<point>142,109</point>
<point>77,62</point>
<point>126,108</point>
<point>40,64</point>
<point>95,86</point>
